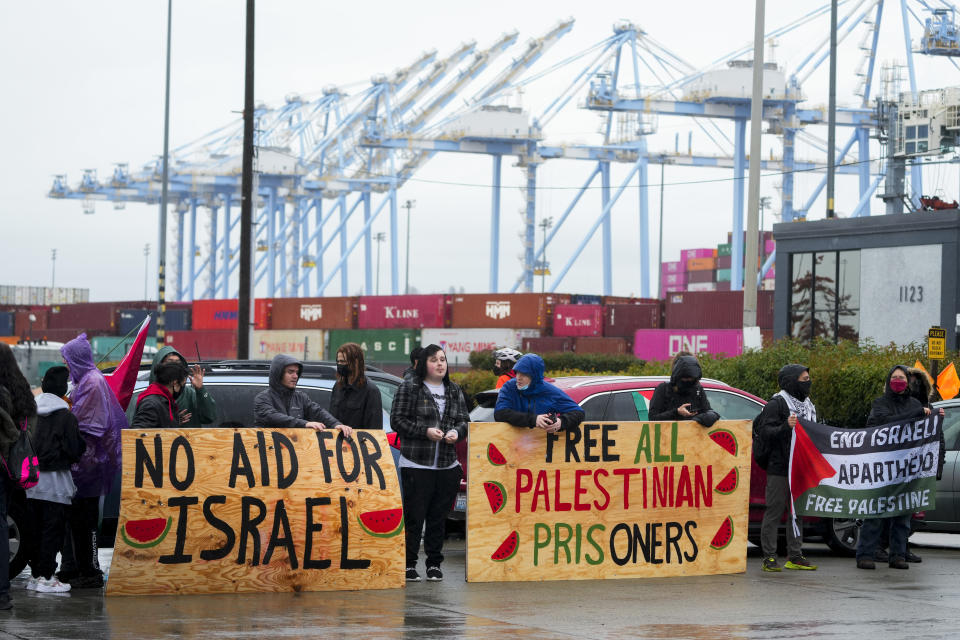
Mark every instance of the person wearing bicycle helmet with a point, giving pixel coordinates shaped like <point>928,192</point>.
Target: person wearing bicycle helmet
<point>503,361</point>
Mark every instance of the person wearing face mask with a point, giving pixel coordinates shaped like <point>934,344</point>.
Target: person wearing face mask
<point>529,401</point>
<point>682,398</point>
<point>775,424</point>
<point>157,405</point>
<point>355,400</point>
<point>897,404</point>
<point>197,406</point>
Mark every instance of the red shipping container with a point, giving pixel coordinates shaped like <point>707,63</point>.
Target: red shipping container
<point>262,313</point>
<point>600,345</point>
<point>623,320</point>
<point>701,276</point>
<point>402,312</point>
<point>724,262</point>
<point>723,286</point>
<point>222,314</point>
<point>714,310</point>
<point>314,313</point>
<point>21,320</point>
<point>67,334</point>
<point>96,316</point>
<point>503,310</point>
<point>578,320</point>
<point>212,345</point>
<point>547,345</point>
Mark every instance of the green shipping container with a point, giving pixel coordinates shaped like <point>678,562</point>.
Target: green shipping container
<point>389,346</point>
<point>724,249</point>
<point>723,275</point>
<point>103,345</point>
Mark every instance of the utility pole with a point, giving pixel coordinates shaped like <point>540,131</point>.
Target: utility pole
<point>246,198</point>
<point>753,186</point>
<point>162,244</point>
<point>146,269</point>
<point>663,164</point>
<point>53,275</point>
<point>379,237</point>
<point>545,224</point>
<point>408,205</point>
<point>832,116</point>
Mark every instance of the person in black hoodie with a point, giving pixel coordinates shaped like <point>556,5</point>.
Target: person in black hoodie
<point>683,398</point>
<point>157,406</point>
<point>58,444</point>
<point>283,405</point>
<point>895,405</point>
<point>775,425</point>
<point>355,400</point>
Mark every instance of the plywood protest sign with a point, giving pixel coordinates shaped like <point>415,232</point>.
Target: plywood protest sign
<point>610,500</point>
<point>231,510</point>
<point>876,472</point>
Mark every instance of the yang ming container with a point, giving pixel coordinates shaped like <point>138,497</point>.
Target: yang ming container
<point>389,346</point>
<point>304,344</point>
<point>402,312</point>
<point>314,313</point>
<point>458,344</point>
<point>572,320</point>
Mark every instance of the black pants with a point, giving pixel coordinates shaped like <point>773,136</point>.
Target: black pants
<point>49,523</point>
<point>80,549</point>
<point>428,495</point>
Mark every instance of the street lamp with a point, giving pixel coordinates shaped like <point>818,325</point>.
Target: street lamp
<point>379,237</point>
<point>545,224</point>
<point>146,268</point>
<point>408,205</point>
<point>53,276</point>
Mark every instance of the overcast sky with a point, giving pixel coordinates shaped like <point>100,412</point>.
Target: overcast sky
<point>83,89</point>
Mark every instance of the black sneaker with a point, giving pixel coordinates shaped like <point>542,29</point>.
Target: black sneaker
<point>912,557</point>
<point>5,602</point>
<point>881,555</point>
<point>412,575</point>
<point>434,574</point>
<point>87,582</point>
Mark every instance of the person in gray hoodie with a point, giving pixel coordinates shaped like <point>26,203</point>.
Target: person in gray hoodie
<point>283,405</point>
<point>58,444</point>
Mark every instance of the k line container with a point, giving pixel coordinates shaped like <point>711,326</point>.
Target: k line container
<point>715,310</point>
<point>379,345</point>
<point>315,313</point>
<point>573,320</point>
<point>600,345</point>
<point>503,310</point>
<point>402,312</point>
<point>303,344</point>
<point>459,343</point>
<point>663,344</point>
<point>551,344</point>
<point>212,344</point>
<point>623,320</point>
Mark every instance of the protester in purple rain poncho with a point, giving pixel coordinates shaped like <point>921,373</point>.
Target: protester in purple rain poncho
<point>101,419</point>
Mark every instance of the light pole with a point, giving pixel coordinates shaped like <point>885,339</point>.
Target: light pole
<point>663,164</point>
<point>407,205</point>
<point>545,224</point>
<point>53,275</point>
<point>146,268</point>
<point>380,237</point>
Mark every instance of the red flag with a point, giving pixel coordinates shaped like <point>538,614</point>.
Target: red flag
<point>124,377</point>
<point>807,465</point>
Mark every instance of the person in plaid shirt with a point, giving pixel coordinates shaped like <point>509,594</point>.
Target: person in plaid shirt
<point>430,415</point>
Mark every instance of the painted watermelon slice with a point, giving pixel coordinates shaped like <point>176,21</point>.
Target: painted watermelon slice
<point>725,439</point>
<point>496,495</point>
<point>382,524</point>
<point>729,483</point>
<point>494,456</point>
<point>143,534</point>
<point>724,535</point>
<point>508,548</point>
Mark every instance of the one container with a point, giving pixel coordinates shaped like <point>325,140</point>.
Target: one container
<point>623,320</point>
<point>701,264</point>
<point>663,344</point>
<point>724,262</point>
<point>701,276</point>
<point>96,316</point>
<point>689,254</point>
<point>600,345</point>
<point>402,312</point>
<point>723,286</point>
<point>262,313</point>
<point>701,286</point>
<point>303,344</point>
<point>673,267</point>
<point>6,323</point>
<point>608,300</point>
<point>672,288</point>
<point>582,298</point>
<point>674,278</point>
<point>551,344</point>
<point>717,310</point>
<point>767,284</point>
<point>211,344</point>
<point>130,319</point>
<point>723,275</point>
<point>314,313</point>
<point>459,343</point>
<point>215,314</point>
<point>724,250</point>
<point>502,310</point>
<point>22,323</point>
<point>379,345</point>
<point>571,320</point>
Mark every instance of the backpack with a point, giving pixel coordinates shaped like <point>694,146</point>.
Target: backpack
<point>21,463</point>
<point>761,444</point>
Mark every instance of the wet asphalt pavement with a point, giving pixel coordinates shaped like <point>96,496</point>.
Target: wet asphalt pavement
<point>837,601</point>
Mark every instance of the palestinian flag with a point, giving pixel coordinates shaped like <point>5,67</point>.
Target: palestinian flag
<point>877,472</point>
<point>124,377</point>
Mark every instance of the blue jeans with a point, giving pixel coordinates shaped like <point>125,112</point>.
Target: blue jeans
<point>872,531</point>
<point>4,541</point>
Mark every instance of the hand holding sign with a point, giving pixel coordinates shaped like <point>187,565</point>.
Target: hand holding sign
<point>792,420</point>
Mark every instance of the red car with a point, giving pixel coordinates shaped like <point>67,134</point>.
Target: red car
<point>625,398</point>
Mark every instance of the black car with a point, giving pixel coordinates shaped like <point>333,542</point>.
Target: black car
<point>233,384</point>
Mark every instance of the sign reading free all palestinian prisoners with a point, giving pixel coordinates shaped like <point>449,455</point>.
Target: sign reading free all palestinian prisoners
<point>877,472</point>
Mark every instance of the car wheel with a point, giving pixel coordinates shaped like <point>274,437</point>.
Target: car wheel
<point>842,535</point>
<point>16,524</point>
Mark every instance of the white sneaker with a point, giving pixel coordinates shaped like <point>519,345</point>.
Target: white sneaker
<point>51,585</point>
<point>32,584</point>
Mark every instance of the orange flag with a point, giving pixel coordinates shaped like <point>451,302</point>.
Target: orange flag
<point>948,383</point>
<point>919,365</point>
